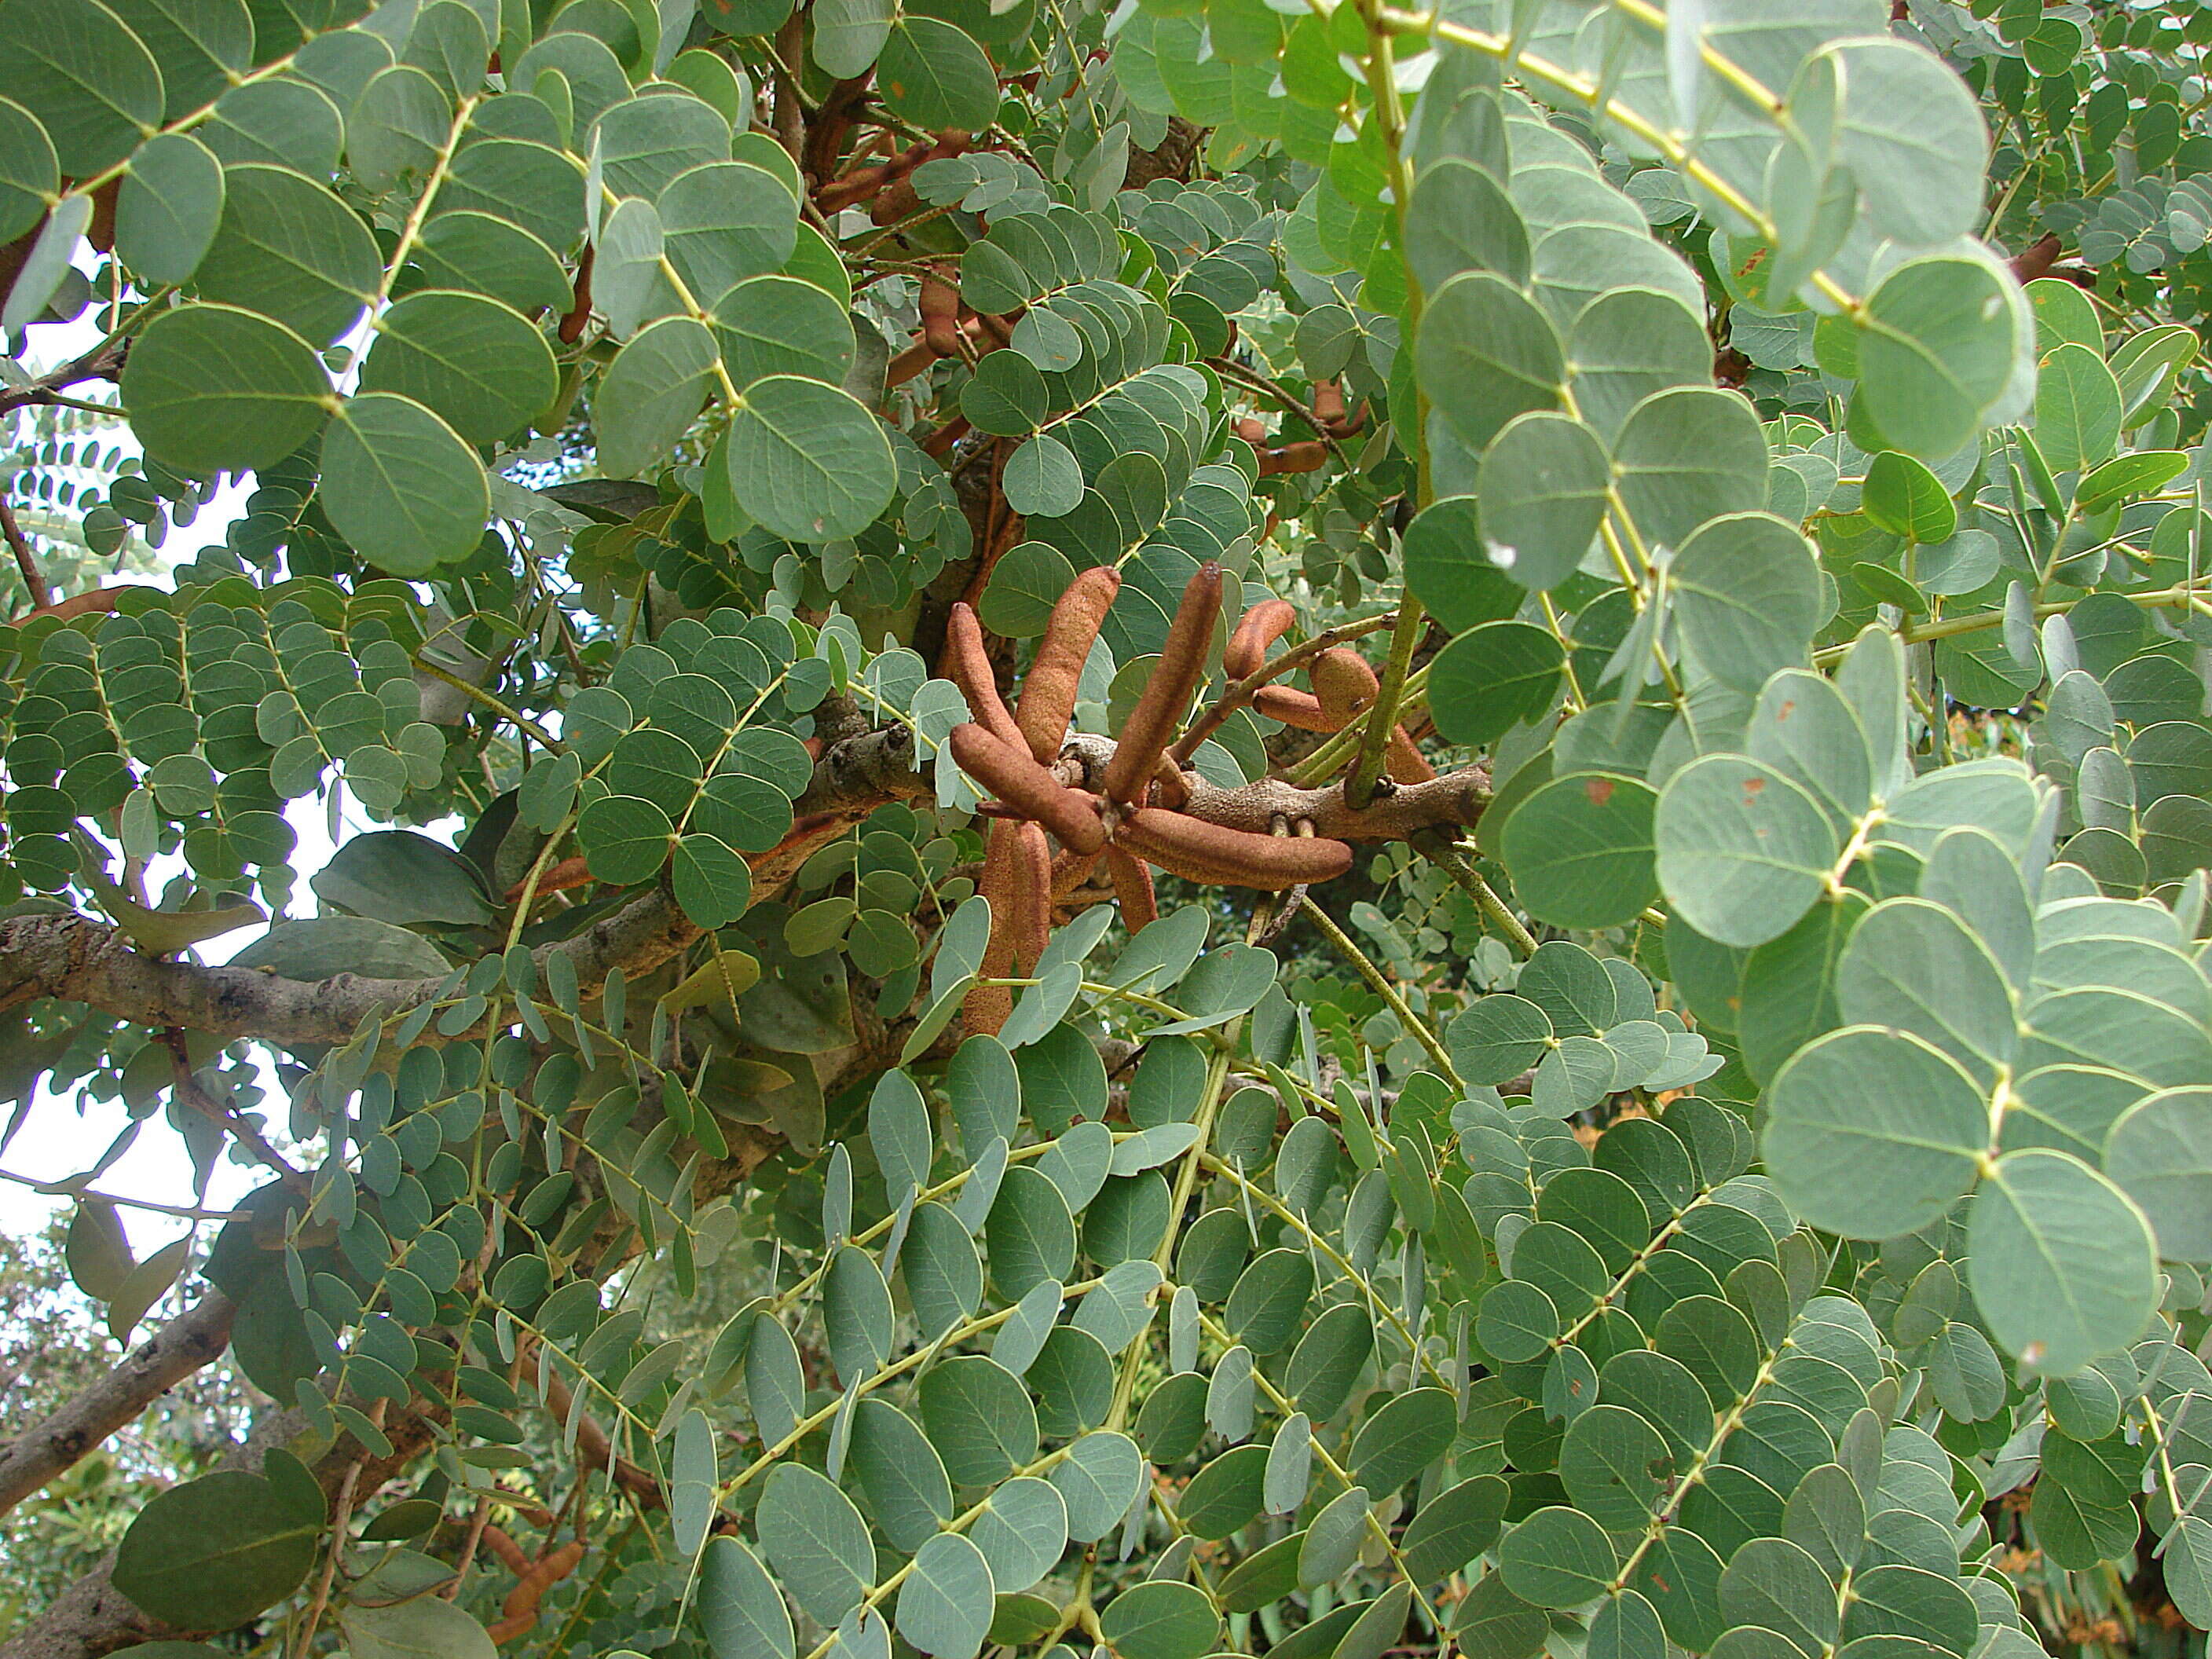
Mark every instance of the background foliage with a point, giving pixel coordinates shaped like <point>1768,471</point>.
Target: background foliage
<point>1727,1168</point>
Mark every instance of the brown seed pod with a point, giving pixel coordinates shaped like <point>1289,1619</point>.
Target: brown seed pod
<point>1404,761</point>
<point>940,316</point>
<point>1011,775</point>
<point>986,1007</point>
<point>1071,869</point>
<point>1048,699</point>
<point>1292,707</point>
<point>968,665</point>
<point>1153,722</point>
<point>1344,685</point>
<point>1212,853</point>
<point>1262,625</point>
<point>1031,921</point>
<point>1133,889</point>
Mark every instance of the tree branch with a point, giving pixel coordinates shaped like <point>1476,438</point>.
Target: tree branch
<point>91,1617</point>
<point>193,1339</point>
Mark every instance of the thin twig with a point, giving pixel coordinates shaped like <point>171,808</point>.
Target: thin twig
<point>1382,987</point>
<point>1456,864</point>
<point>1238,694</point>
<point>1382,713</point>
<point>194,1095</point>
<point>26,561</point>
<point>342,1515</point>
<point>1254,380</point>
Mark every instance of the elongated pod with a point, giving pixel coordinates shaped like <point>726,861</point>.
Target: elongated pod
<point>968,665</point>
<point>1011,775</point>
<point>1262,625</point>
<point>1182,664</point>
<point>1031,921</point>
<point>1133,889</point>
<point>1406,763</point>
<point>1071,869</point>
<point>1212,853</point>
<point>985,1008</point>
<point>1048,699</point>
<point>1292,707</point>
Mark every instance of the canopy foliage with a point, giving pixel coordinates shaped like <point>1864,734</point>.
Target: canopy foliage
<point>1237,827</point>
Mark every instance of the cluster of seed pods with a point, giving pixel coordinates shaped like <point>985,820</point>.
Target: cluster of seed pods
<point>1130,820</point>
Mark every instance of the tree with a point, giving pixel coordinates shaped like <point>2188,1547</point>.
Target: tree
<point>896,1082</point>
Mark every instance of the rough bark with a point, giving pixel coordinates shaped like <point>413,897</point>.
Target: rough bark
<point>193,1339</point>
<point>92,1618</point>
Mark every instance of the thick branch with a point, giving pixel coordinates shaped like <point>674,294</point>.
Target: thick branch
<point>91,1617</point>
<point>193,1339</point>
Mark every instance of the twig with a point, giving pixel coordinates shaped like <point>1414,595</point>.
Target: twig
<point>26,561</point>
<point>341,1515</point>
<point>1382,713</point>
<point>188,1088</point>
<point>193,1339</point>
<point>1382,987</point>
<point>1238,694</point>
<point>64,1189</point>
<point>1460,869</point>
<point>1254,380</point>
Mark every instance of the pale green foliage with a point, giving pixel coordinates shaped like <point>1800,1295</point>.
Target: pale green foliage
<point>1778,1131</point>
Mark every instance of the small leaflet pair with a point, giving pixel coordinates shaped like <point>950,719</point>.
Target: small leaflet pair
<point>1131,823</point>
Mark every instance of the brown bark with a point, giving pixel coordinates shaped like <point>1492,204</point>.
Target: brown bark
<point>193,1339</point>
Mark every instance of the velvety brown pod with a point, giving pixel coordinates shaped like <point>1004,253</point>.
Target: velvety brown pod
<point>1133,889</point>
<point>1153,722</point>
<point>1048,699</point>
<point>1198,851</point>
<point>1030,923</point>
<point>968,665</point>
<point>1015,778</point>
<point>1262,625</point>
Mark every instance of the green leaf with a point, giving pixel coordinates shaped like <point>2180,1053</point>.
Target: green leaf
<point>1557,1558</point>
<point>1461,219</point>
<point>979,1418</point>
<point>2063,1266</point>
<point>944,1605</point>
<point>1913,138</point>
<point>168,208</point>
<point>97,1250</point>
<point>1041,479</point>
<point>1935,354</point>
<point>1163,1619</point>
<point>321,946</point>
<point>472,361</point>
<point>1407,1433</point>
<point>1743,852</point>
<point>1492,677</point>
<point>29,175</point>
<point>401,485</point>
<point>1581,851</point>
<point>1867,1098</point>
<point>2160,1153</point>
<point>1746,596</point>
<point>651,393</point>
<point>213,1552</point>
<point>1905,498</point>
<point>1627,345</point>
<point>399,877</point>
<point>2078,408</point>
<point>212,387</point>
<point>1688,455</point>
<point>934,76</point>
<point>740,1606</point>
<point>1485,354</point>
<point>849,34</point>
<point>290,250</point>
<point>91,85</point>
<point>1022,1531</point>
<point>1544,484</point>
<point>414,1629</point>
<point>817,1542</point>
<point>807,461</point>
<point>1915,967</point>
